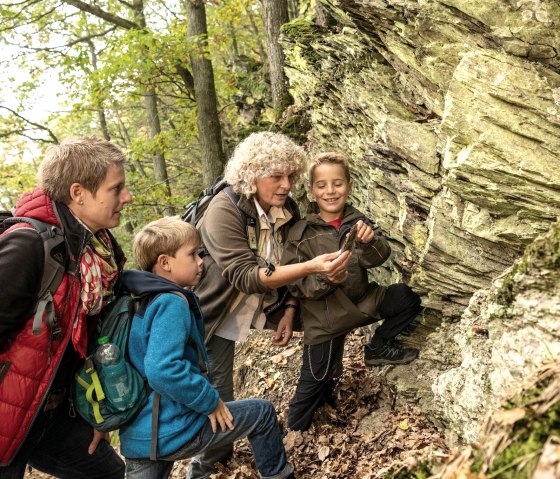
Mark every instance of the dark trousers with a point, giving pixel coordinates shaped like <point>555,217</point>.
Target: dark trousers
<point>323,362</point>
<point>399,307</point>
<point>58,445</point>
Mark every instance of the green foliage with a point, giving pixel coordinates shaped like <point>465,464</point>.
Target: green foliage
<point>105,69</point>
<point>525,442</point>
<point>17,178</point>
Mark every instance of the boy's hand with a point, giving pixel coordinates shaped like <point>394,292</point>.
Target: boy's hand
<point>285,329</point>
<point>365,233</point>
<point>222,416</point>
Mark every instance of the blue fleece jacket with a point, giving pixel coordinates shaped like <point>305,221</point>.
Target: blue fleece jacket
<point>159,348</point>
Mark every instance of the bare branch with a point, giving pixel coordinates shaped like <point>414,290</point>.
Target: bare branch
<point>29,122</point>
<point>100,13</point>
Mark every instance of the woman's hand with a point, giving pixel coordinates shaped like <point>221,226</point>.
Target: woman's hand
<point>98,436</point>
<point>222,416</point>
<point>332,265</point>
<point>365,233</point>
<point>285,328</point>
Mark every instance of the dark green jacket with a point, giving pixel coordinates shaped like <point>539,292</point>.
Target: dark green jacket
<point>329,310</point>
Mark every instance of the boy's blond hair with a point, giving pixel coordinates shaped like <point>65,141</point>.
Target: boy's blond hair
<point>332,158</point>
<point>163,236</point>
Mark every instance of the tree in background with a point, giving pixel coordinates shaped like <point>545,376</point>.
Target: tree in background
<point>127,71</point>
<point>204,91</point>
<point>275,13</point>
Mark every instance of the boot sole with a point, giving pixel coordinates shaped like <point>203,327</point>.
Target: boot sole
<point>386,362</point>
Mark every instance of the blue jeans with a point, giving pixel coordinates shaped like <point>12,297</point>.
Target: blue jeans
<point>253,418</point>
<point>221,355</point>
<point>57,444</point>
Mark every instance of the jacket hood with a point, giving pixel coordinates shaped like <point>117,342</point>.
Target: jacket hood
<point>37,204</point>
<point>143,282</point>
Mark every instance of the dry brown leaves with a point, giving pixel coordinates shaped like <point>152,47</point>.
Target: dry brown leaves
<point>365,436</point>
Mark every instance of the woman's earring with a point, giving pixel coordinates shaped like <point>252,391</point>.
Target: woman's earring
<point>81,202</point>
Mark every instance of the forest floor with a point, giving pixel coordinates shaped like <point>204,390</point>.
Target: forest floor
<point>372,433</point>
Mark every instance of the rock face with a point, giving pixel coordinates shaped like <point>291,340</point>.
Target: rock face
<point>504,336</point>
<point>450,113</point>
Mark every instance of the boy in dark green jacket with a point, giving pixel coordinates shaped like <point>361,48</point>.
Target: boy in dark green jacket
<point>329,311</point>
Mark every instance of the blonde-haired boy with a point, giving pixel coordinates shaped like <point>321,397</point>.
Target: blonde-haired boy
<point>330,310</point>
<point>167,346</point>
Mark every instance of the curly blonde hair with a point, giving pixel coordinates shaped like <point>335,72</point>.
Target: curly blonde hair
<point>260,155</point>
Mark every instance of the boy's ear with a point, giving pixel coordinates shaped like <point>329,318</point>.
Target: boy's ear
<point>162,262</point>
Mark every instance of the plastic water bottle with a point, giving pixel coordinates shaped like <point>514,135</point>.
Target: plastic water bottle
<point>114,378</point>
<point>107,353</point>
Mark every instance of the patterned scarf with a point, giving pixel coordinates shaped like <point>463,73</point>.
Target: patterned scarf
<point>99,272</point>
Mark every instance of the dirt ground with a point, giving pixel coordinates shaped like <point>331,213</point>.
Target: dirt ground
<point>368,435</point>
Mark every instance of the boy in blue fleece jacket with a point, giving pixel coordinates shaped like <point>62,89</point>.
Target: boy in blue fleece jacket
<point>165,345</point>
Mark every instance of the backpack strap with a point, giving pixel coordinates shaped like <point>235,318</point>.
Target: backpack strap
<point>55,265</point>
<point>155,426</point>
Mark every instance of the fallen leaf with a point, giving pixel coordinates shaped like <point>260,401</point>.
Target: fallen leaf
<point>323,453</point>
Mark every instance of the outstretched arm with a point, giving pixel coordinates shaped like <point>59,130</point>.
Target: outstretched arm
<point>331,265</point>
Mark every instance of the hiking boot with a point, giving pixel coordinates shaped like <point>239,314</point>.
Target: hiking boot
<point>391,352</point>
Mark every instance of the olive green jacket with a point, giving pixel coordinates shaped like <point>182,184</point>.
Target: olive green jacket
<point>231,265</point>
<point>329,310</point>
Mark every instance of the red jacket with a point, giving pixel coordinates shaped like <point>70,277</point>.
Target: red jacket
<point>28,363</point>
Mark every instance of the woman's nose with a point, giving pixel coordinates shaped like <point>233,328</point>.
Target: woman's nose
<point>287,182</point>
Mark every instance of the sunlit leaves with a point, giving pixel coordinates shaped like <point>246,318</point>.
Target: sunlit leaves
<point>105,69</point>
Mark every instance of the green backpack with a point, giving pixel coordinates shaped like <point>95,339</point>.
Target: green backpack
<point>91,397</point>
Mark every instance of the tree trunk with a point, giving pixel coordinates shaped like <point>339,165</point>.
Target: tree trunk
<point>100,111</point>
<point>150,103</point>
<point>209,131</point>
<point>255,28</point>
<point>275,15</point>
<point>160,166</point>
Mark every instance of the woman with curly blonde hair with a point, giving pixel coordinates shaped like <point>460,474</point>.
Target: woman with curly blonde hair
<point>243,232</point>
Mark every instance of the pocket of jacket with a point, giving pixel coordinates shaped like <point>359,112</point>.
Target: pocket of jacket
<point>344,316</point>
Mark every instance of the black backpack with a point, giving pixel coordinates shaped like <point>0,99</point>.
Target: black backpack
<point>55,265</point>
<point>194,211</point>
